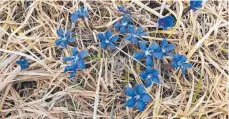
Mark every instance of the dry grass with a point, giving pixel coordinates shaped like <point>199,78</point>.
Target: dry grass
<point>44,91</point>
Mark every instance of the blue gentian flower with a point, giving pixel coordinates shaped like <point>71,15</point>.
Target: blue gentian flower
<point>152,51</point>
<point>80,13</point>
<point>150,75</point>
<point>64,38</point>
<point>23,63</point>
<point>71,68</point>
<point>179,61</point>
<point>133,34</point>
<point>123,24</point>
<point>107,40</point>
<point>166,22</point>
<point>195,4</point>
<point>121,8</point>
<point>138,97</point>
<point>166,48</point>
<point>77,60</point>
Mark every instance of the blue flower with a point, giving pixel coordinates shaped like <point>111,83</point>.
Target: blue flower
<point>138,97</point>
<point>121,8</point>
<point>179,61</point>
<point>195,4</point>
<point>23,63</point>
<point>107,40</point>
<point>123,24</point>
<point>80,13</point>
<point>166,22</point>
<point>76,60</point>
<point>166,48</point>
<point>152,51</point>
<point>64,38</point>
<point>134,34</point>
<point>150,75</point>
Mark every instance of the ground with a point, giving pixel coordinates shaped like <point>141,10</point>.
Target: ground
<point>28,29</point>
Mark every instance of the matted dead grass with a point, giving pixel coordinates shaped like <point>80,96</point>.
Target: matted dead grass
<point>44,91</point>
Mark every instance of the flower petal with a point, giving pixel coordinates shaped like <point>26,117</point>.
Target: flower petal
<point>149,70</point>
<point>101,37</point>
<point>129,92</point>
<point>68,33</point>
<point>111,46</point>
<point>149,61</point>
<point>140,89</point>
<point>114,39</point>
<point>142,45</point>
<point>85,13</point>
<point>195,4</point>
<point>141,105</point>
<point>60,32</point>
<point>183,71</point>
<point>155,72</point>
<point>134,40</point>
<point>63,44</point>
<point>164,43</point>
<point>148,82</point>
<point>139,31</point>
<point>155,79</point>
<point>103,44</point>
<point>166,22</point>
<point>131,29</point>
<point>153,46</point>
<point>128,37</point>
<point>145,97</point>
<point>72,67</point>
<point>123,29</point>
<point>108,34</point>
<point>186,65</point>
<point>67,59</point>
<point>158,55</point>
<point>74,51</point>
<point>141,34</point>
<point>74,16</point>
<point>143,75</point>
<point>174,64</point>
<point>58,41</point>
<point>176,57</point>
<point>83,54</point>
<point>139,55</point>
<point>131,102</point>
<point>81,64</point>
<point>71,40</point>
<point>170,47</point>
<point>117,25</point>
<point>183,58</point>
<point>72,75</point>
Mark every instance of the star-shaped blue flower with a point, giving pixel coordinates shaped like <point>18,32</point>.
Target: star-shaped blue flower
<point>166,22</point>
<point>64,38</point>
<point>122,9</point>
<point>77,60</point>
<point>80,13</point>
<point>138,97</point>
<point>107,40</point>
<point>195,4</point>
<point>179,61</point>
<point>123,24</point>
<point>166,48</point>
<point>150,75</point>
<point>23,63</point>
<point>152,51</point>
<point>134,35</point>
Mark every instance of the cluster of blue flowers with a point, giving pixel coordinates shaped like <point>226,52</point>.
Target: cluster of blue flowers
<point>148,52</point>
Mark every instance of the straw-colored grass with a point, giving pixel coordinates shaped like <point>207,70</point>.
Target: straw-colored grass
<point>45,91</point>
